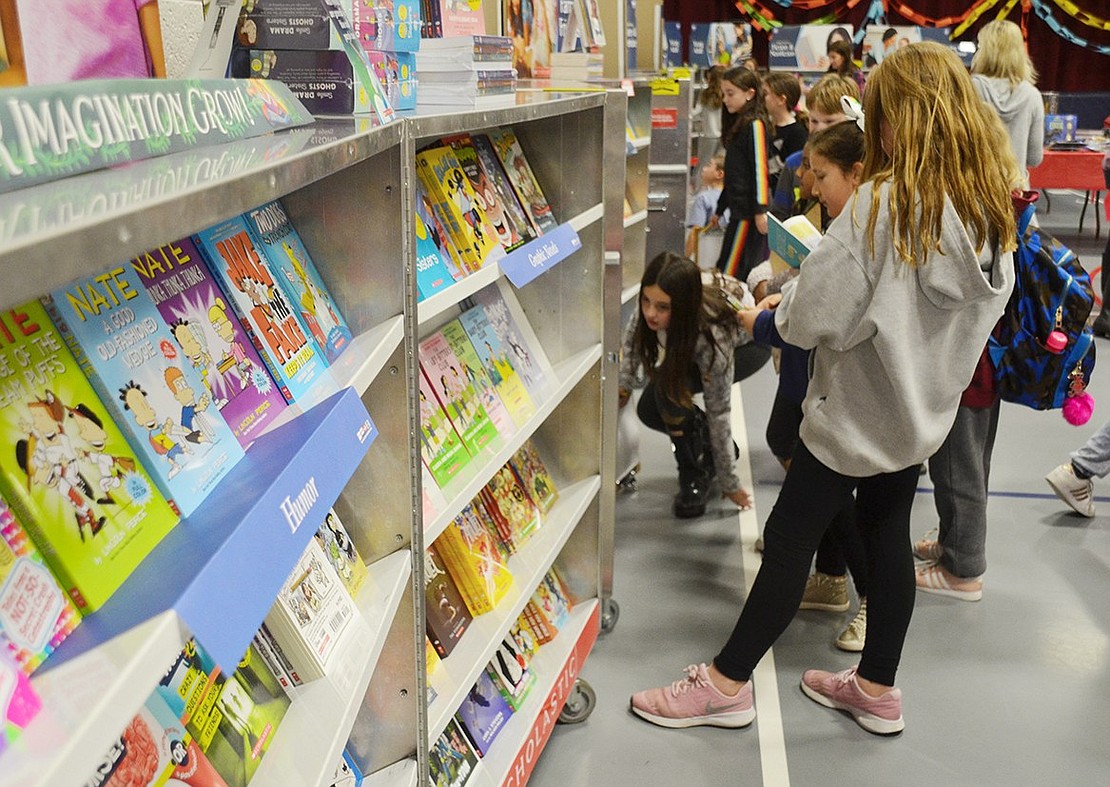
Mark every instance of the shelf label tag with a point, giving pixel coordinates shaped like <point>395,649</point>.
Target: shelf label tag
<point>523,264</point>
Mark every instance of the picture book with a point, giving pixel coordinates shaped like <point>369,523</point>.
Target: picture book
<point>520,174</point>
<point>472,557</point>
<point>36,615</point>
<point>337,546</point>
<point>507,501</point>
<point>454,201</point>
<point>502,533</point>
<point>440,446</point>
<point>311,613</point>
<point>501,221</point>
<point>266,650</point>
<point>461,17</point>
<point>238,716</point>
<point>297,274</point>
<point>66,469</point>
<point>533,474</point>
<point>209,335</point>
<point>552,599</point>
<point>536,623</point>
<point>494,357</point>
<point>475,373</point>
<point>510,674</point>
<point>435,269</point>
<point>451,759</point>
<point>390,25</point>
<point>790,241</point>
<point>515,215</point>
<point>483,713</point>
<point>284,342</point>
<point>524,643</point>
<point>524,359</point>
<point>153,390</point>
<point>459,398</point>
<point>19,704</point>
<point>155,749</point>
<point>446,615</point>
<point>184,683</point>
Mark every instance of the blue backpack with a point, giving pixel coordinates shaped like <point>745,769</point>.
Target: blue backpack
<point>1052,297</point>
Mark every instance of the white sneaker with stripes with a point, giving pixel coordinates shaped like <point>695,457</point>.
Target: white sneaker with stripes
<point>1075,491</point>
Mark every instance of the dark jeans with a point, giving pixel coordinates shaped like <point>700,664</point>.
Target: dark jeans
<point>811,496</point>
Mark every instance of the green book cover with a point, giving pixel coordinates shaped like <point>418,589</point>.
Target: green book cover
<point>459,397</point>
<point>440,447</point>
<point>65,467</point>
<point>475,373</point>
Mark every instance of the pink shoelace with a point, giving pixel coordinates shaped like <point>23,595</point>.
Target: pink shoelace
<point>692,680</point>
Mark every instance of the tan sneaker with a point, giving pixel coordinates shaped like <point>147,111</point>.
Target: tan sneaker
<point>853,637</point>
<point>937,580</point>
<point>826,593</point>
<point>928,548</point>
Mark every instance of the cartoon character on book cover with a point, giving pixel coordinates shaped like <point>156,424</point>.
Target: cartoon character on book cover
<point>451,759</point>
<point>511,156</point>
<point>65,467</point>
<point>434,268</point>
<point>283,340</point>
<point>210,337</point>
<point>513,504</point>
<point>533,474</point>
<point>440,446</point>
<point>495,177</point>
<point>455,200</point>
<point>494,357</point>
<point>504,224</point>
<point>297,274</point>
<point>156,394</point>
<point>446,616</point>
<point>475,373</point>
<point>459,398</point>
<point>525,361</point>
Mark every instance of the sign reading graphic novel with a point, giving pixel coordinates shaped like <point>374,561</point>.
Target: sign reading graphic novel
<point>52,132</point>
<point>805,48</point>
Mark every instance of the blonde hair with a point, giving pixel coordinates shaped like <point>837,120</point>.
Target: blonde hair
<point>945,143</point>
<point>1002,53</point>
<point>824,97</point>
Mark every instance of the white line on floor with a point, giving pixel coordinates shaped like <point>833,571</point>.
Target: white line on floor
<point>772,743</point>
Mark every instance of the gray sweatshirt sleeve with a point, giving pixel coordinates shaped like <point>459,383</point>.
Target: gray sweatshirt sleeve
<point>1035,153</point>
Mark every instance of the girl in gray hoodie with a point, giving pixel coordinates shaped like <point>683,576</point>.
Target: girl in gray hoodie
<point>896,304</point>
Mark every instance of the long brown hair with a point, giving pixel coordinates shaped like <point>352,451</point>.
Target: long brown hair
<point>746,79</point>
<point>694,309</point>
<point>711,94</point>
<point>946,144</point>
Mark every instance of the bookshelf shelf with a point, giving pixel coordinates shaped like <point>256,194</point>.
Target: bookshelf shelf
<point>310,739</point>
<point>636,218</point>
<point>639,143</point>
<point>400,774</point>
<point>457,673</point>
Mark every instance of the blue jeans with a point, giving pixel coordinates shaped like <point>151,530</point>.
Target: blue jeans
<point>1093,458</point>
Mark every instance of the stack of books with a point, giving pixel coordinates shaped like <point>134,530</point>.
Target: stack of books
<point>576,66</point>
<point>466,71</point>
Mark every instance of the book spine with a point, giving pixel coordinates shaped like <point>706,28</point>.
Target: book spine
<point>442,207</point>
<point>286,665</point>
<point>262,645</point>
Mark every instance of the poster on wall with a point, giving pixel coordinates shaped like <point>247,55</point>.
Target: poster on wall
<point>726,43</point>
<point>672,44</point>
<point>630,35</point>
<point>880,40</point>
<point>805,47</point>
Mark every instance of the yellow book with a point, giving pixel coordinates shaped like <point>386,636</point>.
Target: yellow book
<point>458,208</point>
<point>473,560</point>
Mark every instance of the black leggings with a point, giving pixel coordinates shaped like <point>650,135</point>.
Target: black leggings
<point>811,496</point>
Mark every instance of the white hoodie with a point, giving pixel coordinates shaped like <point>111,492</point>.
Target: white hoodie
<point>893,346</point>
<point>1022,111</point>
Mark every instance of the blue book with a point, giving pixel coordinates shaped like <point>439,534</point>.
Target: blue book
<point>282,339</point>
<point>483,713</point>
<point>433,261</point>
<point>153,392</point>
<point>295,271</point>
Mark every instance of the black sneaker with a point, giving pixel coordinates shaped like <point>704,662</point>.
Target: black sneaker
<point>1101,325</point>
<point>690,500</point>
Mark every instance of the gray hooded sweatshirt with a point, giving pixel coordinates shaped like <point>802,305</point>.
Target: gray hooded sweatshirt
<point>1022,111</point>
<point>893,346</point>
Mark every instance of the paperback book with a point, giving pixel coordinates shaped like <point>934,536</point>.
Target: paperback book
<point>36,615</point>
<point>440,446</point>
<point>19,704</point>
<point>495,359</point>
<point>504,223</point>
<point>537,481</point>
<point>153,389</point>
<point>451,758</point>
<point>210,337</point>
<point>435,270</point>
<point>508,503</point>
<point>447,617</point>
<point>553,600</point>
<point>458,397</point>
<point>502,187</point>
<point>339,548</point>
<point>509,670</point>
<point>471,555</point>
<point>483,713</point>
<point>66,469</point>
<point>297,274</point>
<point>528,362</point>
<point>454,201</point>
<point>520,174</point>
<point>283,340</point>
<point>475,374</point>
<point>791,241</point>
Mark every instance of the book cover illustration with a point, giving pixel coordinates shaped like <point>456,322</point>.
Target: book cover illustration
<point>311,612</point>
<point>451,759</point>
<point>533,474</point>
<point>155,393</point>
<point>36,615</point>
<point>457,205</point>
<point>508,501</point>
<point>454,261</point>
<point>502,222</point>
<point>552,599</point>
<point>459,398</point>
<point>447,617</point>
<point>435,269</point>
<point>498,363</point>
<point>210,337</point>
<point>66,469</point>
<point>440,446</point>
<point>536,623</point>
<point>483,713</point>
<point>297,274</point>
<point>391,25</point>
<point>524,643</point>
<point>336,544</point>
<point>791,241</point>
<point>474,371</point>
<point>19,704</point>
<point>498,180</point>
<point>470,552</point>
<point>184,683</point>
<point>155,749</point>
<point>346,773</point>
<point>283,341</point>
<point>396,71</point>
<point>525,360</point>
<point>520,174</point>
<point>509,670</point>
<point>499,527</point>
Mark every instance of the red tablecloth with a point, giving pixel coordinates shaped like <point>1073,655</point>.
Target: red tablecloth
<point>1064,169</point>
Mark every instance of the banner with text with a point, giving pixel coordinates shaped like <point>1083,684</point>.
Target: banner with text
<point>881,40</point>
<point>806,47</point>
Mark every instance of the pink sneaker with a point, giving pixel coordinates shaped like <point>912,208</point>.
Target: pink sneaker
<point>880,715</point>
<point>694,701</point>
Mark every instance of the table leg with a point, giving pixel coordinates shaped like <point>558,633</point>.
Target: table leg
<point>1098,216</point>
<point>1047,201</point>
<point>1083,213</point>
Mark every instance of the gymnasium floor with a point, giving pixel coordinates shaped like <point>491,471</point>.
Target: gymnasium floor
<point>1014,689</point>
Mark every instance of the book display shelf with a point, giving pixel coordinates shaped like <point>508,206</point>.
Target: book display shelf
<point>348,186</point>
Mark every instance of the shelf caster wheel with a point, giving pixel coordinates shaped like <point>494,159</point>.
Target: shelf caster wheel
<point>610,614</point>
<point>628,482</point>
<point>580,703</point>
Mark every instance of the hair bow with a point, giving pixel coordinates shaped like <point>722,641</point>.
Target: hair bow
<point>853,109</point>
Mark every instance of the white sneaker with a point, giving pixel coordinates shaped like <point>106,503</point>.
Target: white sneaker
<point>1075,491</point>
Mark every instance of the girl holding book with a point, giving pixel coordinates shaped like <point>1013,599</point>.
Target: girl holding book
<point>915,268</point>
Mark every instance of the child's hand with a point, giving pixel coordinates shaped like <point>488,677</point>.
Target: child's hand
<point>741,498</point>
<point>714,222</point>
<point>770,302</point>
<point>746,318</point>
<point>761,223</point>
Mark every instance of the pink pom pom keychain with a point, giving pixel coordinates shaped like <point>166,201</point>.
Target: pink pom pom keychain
<point>1079,404</point>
